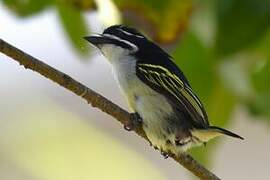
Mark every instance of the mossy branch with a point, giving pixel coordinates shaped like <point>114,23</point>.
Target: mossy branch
<point>96,100</point>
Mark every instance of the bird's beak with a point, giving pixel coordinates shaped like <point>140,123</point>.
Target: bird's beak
<point>98,39</point>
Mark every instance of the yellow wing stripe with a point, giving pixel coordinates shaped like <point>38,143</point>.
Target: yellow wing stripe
<point>167,72</point>
<point>174,86</point>
<point>160,82</point>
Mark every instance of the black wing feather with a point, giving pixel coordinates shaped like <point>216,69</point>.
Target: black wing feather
<point>174,86</point>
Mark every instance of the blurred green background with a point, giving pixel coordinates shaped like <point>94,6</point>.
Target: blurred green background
<point>223,47</point>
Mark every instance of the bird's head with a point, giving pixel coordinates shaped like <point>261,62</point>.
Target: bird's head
<point>119,40</point>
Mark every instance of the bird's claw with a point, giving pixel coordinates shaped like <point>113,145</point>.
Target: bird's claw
<point>164,154</point>
<point>135,121</point>
<point>127,127</point>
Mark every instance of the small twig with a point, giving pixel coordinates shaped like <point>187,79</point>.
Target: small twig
<point>96,100</point>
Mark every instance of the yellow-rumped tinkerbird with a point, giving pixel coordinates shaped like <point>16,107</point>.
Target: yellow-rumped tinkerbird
<point>160,96</point>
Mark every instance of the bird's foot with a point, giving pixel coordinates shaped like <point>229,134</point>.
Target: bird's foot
<point>135,121</point>
<point>165,154</point>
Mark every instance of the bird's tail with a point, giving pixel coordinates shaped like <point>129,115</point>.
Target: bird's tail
<point>226,132</point>
<point>212,132</point>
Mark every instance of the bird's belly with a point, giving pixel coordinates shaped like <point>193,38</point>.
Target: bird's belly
<point>155,110</point>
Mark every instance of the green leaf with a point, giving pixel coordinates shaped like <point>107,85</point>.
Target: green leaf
<point>240,23</point>
<point>74,25</point>
<point>28,7</point>
<point>260,104</point>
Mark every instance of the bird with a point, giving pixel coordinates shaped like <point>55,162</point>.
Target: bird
<point>158,93</point>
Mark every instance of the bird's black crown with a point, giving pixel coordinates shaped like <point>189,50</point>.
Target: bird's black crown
<point>122,31</point>
<point>127,35</point>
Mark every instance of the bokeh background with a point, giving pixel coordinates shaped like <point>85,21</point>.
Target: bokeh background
<point>48,133</point>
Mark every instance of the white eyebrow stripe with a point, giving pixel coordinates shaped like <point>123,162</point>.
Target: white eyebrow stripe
<point>130,34</point>
<point>134,47</point>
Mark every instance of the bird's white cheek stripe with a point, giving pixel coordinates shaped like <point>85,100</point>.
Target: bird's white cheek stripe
<point>134,47</point>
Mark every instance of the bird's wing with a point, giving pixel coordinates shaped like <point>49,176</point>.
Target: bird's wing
<point>172,87</point>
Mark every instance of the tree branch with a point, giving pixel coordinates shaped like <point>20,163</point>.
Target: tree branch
<point>96,100</point>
